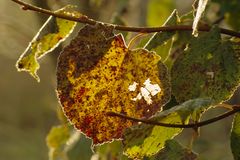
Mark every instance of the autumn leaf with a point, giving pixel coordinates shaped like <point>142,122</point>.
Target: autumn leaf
<point>209,67</point>
<point>44,42</point>
<point>147,140</point>
<point>97,74</point>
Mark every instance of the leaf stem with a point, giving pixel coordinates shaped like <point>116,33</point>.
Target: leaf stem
<point>195,125</point>
<point>84,19</point>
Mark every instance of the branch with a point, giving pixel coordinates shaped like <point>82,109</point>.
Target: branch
<point>86,20</point>
<point>195,125</point>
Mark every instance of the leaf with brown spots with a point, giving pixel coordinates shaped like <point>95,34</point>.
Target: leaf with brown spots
<point>209,67</point>
<point>97,74</point>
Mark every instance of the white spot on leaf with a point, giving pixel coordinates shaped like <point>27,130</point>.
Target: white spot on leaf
<point>133,86</point>
<point>146,92</point>
<point>210,74</point>
<point>146,95</point>
<point>152,88</point>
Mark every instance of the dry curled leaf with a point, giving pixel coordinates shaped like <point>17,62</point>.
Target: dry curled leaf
<point>97,74</point>
<point>45,42</point>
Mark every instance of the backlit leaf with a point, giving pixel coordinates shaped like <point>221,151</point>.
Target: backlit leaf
<point>200,9</point>
<point>147,140</point>
<point>235,137</point>
<point>175,151</point>
<point>97,74</point>
<point>161,42</point>
<point>207,68</point>
<point>44,42</point>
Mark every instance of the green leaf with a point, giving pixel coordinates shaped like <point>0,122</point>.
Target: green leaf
<point>235,137</point>
<point>44,42</point>
<point>175,151</point>
<point>56,140</point>
<point>146,140</point>
<point>207,68</point>
<point>97,74</point>
<point>161,42</point>
<point>158,11</point>
<point>201,7</point>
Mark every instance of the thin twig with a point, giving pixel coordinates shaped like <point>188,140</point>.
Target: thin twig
<point>195,125</point>
<point>86,20</point>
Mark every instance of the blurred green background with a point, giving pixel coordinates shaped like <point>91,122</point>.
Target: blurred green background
<point>28,109</point>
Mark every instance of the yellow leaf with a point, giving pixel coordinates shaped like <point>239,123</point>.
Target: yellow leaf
<point>97,74</point>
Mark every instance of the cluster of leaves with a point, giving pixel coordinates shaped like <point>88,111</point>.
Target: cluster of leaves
<point>97,74</point>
